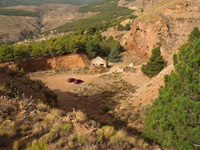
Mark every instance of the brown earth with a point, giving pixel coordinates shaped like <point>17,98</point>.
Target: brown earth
<point>68,61</point>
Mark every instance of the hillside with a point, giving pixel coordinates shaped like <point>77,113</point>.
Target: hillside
<point>59,17</point>
<point>38,2</point>
<point>30,123</point>
<point>118,107</point>
<point>47,17</point>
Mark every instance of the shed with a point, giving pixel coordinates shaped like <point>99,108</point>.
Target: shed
<point>98,61</point>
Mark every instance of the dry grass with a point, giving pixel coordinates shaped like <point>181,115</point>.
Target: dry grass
<point>49,137</point>
<point>53,116</point>
<point>80,116</point>
<point>7,128</point>
<point>108,131</point>
<point>100,136</point>
<point>62,128</point>
<point>37,146</point>
<point>42,107</point>
<point>2,88</point>
<point>15,145</point>
<point>40,128</point>
<point>118,137</point>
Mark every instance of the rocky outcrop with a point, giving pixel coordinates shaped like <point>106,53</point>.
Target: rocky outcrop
<point>168,31</point>
<point>35,64</point>
<point>145,36</point>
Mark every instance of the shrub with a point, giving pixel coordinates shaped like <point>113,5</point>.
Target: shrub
<point>7,128</point>
<point>106,109</point>
<point>42,107</point>
<point>82,139</point>
<point>49,137</point>
<point>53,116</point>
<point>127,27</point>
<point>100,136</point>
<point>40,128</point>
<point>37,146</point>
<point>62,128</point>
<point>120,27</point>
<point>108,131</point>
<point>118,137</point>
<point>155,64</point>
<point>80,116</point>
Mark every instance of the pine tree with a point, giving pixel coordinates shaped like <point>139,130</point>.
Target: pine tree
<point>115,55</point>
<point>127,27</point>
<point>174,119</point>
<point>155,64</point>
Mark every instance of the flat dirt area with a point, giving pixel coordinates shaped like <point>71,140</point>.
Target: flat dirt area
<point>69,99</point>
<point>91,96</point>
<point>58,83</point>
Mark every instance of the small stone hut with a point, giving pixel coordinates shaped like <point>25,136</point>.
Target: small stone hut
<point>98,61</point>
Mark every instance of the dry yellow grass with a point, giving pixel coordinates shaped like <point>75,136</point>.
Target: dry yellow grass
<point>108,131</point>
<point>15,145</point>
<point>53,116</point>
<point>80,116</point>
<point>39,128</point>
<point>7,128</point>
<point>42,107</point>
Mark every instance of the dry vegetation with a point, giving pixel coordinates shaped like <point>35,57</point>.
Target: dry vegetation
<point>30,124</point>
<point>38,127</point>
<point>151,13</point>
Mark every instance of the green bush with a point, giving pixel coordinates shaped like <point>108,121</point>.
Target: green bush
<point>173,120</point>
<point>106,109</point>
<point>155,64</point>
<point>127,27</point>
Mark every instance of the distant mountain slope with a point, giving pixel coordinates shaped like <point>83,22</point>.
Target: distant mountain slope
<point>5,3</point>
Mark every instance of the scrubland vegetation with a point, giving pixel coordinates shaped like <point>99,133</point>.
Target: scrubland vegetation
<point>30,124</point>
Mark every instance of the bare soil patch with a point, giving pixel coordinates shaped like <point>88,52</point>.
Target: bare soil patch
<point>91,96</point>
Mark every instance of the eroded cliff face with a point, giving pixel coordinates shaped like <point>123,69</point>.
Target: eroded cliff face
<point>145,36</point>
<point>167,28</point>
<point>68,61</point>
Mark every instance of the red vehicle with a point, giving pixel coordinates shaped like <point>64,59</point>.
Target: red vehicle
<point>71,80</point>
<point>77,81</point>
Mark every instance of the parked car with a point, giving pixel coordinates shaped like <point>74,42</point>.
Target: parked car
<point>71,80</point>
<point>77,81</point>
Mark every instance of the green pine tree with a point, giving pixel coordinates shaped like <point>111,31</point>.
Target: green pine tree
<point>174,119</point>
<point>155,64</point>
<point>115,55</point>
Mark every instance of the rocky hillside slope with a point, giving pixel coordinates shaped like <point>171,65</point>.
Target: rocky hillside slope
<point>165,24</point>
